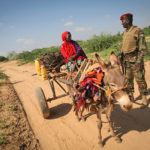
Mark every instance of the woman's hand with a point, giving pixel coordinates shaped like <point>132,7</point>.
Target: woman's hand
<point>70,58</point>
<point>73,57</point>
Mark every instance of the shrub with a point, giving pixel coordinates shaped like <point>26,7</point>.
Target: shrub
<point>12,55</point>
<point>27,56</point>
<point>147,56</point>
<point>2,58</point>
<point>146,31</point>
<point>99,43</point>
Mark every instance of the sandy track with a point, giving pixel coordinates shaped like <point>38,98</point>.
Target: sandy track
<point>62,131</point>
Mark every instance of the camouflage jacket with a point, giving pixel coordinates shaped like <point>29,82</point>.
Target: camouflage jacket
<point>133,45</point>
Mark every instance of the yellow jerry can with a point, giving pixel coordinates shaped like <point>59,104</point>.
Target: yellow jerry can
<point>38,66</point>
<point>43,72</point>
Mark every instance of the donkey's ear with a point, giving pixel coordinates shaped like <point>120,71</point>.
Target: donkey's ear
<point>101,63</point>
<point>113,59</point>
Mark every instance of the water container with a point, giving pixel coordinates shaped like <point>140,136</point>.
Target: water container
<point>38,66</point>
<point>43,72</point>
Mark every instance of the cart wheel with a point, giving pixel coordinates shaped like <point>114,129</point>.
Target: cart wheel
<point>42,101</point>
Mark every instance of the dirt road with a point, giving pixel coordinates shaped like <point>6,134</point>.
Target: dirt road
<point>62,131</point>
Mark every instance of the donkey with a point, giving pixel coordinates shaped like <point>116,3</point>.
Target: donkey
<point>115,88</point>
<point>116,82</point>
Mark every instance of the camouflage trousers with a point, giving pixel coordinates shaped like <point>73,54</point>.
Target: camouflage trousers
<point>138,73</point>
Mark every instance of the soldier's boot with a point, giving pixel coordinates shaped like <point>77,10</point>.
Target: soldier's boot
<point>131,97</point>
<point>144,102</point>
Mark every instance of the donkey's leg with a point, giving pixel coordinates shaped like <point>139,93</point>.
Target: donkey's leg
<point>82,116</point>
<point>69,88</point>
<point>108,116</point>
<point>76,113</point>
<point>99,125</point>
<point>82,110</point>
<point>74,104</point>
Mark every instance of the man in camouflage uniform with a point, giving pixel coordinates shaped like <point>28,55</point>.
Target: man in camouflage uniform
<point>134,48</point>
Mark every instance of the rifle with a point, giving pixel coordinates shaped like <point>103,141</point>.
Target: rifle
<point>121,57</point>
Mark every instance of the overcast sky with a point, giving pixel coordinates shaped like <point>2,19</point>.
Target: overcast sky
<point>30,24</point>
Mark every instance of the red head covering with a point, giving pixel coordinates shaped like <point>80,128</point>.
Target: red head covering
<point>125,15</point>
<point>64,35</point>
<point>67,48</point>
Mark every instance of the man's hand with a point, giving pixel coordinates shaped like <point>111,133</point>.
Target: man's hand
<point>120,56</point>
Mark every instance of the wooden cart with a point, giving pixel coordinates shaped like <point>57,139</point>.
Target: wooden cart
<point>70,79</point>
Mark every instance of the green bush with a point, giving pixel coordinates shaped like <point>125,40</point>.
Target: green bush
<point>2,58</point>
<point>12,55</point>
<point>146,31</point>
<point>2,78</point>
<point>99,43</point>
<point>2,75</point>
<point>147,56</point>
<point>103,44</point>
<point>27,56</point>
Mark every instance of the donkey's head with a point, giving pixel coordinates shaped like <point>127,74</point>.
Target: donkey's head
<point>115,80</point>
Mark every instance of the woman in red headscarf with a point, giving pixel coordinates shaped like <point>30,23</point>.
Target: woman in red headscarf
<point>71,51</point>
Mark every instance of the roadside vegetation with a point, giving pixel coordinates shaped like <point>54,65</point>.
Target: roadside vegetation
<point>3,79</point>
<point>3,136</point>
<point>2,58</point>
<point>103,44</point>
<point>15,131</point>
<point>2,75</point>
